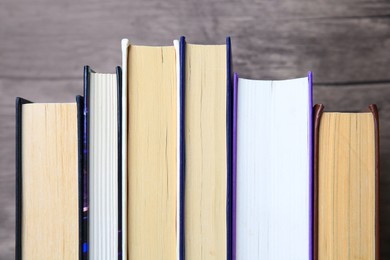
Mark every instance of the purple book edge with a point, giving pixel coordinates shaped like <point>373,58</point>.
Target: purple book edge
<point>85,223</point>
<point>310,126</point>
<point>235,79</point>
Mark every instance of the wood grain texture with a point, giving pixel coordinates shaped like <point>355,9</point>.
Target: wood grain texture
<point>44,45</point>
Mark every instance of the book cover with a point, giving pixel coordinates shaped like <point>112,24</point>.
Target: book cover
<point>19,176</point>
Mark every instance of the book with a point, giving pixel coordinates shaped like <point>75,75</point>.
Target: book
<point>346,184</point>
<point>150,157</point>
<point>175,157</point>
<point>48,180</point>
<point>102,168</point>
<point>205,134</point>
<point>272,164</point>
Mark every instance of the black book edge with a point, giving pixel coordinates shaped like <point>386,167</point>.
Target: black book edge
<point>181,194</point>
<point>119,89</point>
<point>229,149</point>
<point>80,119</point>
<point>19,175</point>
<point>85,165</point>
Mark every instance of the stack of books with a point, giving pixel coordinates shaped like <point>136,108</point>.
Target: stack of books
<point>175,157</point>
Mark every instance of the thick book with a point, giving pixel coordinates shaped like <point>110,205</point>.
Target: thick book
<point>346,184</point>
<point>205,168</point>
<point>48,180</point>
<point>272,169</point>
<point>150,151</point>
<point>102,167</point>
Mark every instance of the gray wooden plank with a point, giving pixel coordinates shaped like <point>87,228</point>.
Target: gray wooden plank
<point>339,41</point>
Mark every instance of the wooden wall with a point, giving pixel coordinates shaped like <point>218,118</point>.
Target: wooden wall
<point>44,45</point>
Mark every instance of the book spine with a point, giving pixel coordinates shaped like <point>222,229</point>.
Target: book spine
<point>182,48</point>
<point>317,113</point>
<point>374,110</point>
<point>310,130</point>
<point>235,92</point>
<point>120,172</point>
<point>229,148</point>
<point>80,122</point>
<point>19,177</point>
<point>87,73</point>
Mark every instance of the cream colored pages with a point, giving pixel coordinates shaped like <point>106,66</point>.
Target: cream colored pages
<point>346,219</point>
<point>151,153</point>
<point>103,167</point>
<point>205,148</point>
<point>50,193</point>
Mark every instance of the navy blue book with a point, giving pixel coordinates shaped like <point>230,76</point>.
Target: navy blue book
<point>206,123</point>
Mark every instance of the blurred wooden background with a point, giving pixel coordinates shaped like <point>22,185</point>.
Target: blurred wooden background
<point>44,45</point>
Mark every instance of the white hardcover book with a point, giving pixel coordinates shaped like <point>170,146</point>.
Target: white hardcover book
<point>272,185</point>
<point>102,101</point>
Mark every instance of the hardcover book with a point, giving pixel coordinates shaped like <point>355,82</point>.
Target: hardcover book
<point>48,180</point>
<point>346,184</point>
<point>102,168</point>
<point>272,180</point>
<point>150,151</point>
<point>206,155</point>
